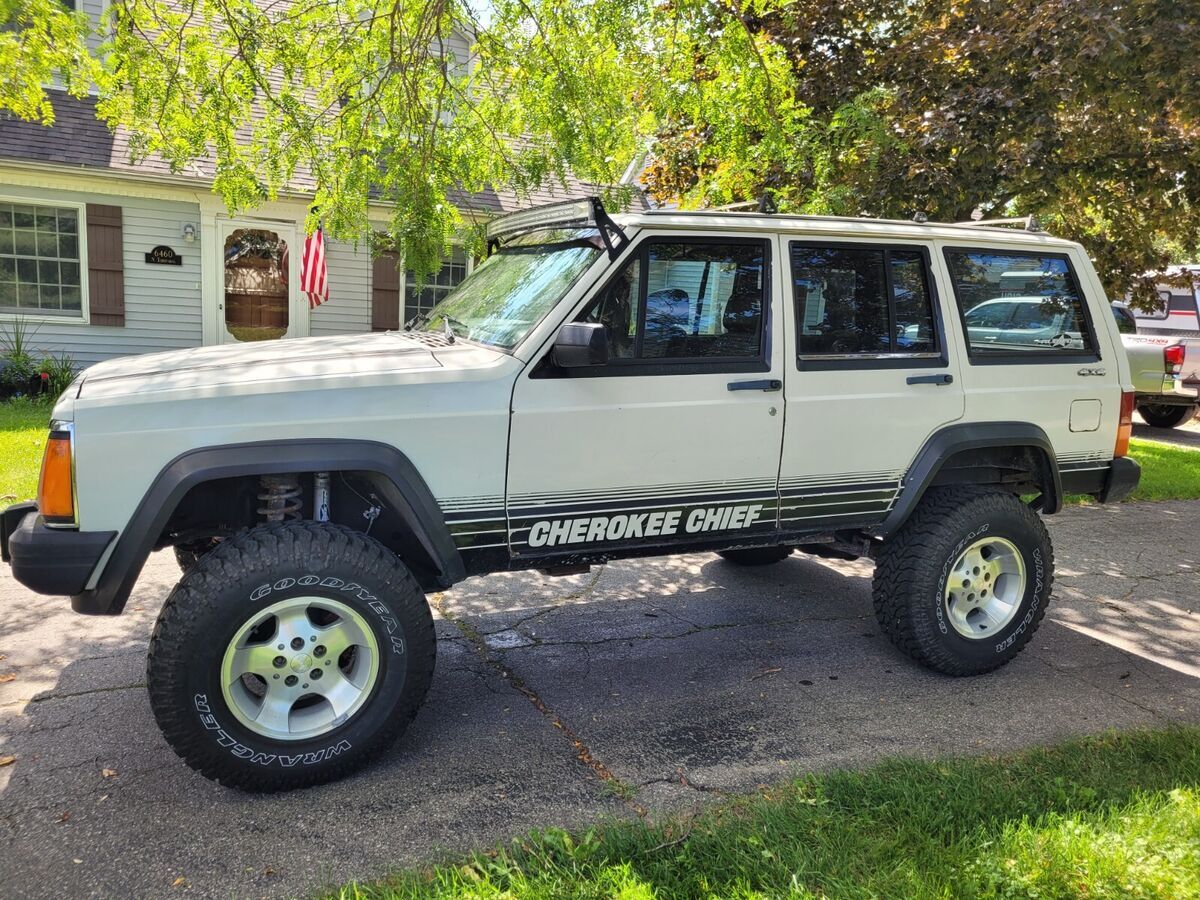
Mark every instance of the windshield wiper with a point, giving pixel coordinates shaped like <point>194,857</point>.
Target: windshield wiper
<point>448,321</point>
<point>419,319</point>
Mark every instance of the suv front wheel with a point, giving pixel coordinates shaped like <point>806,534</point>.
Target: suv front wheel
<point>290,655</point>
<point>964,583</point>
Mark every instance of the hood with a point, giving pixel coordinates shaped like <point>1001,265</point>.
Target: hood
<point>256,363</point>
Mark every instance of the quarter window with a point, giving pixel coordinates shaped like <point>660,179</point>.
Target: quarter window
<point>39,260</point>
<point>862,301</point>
<point>684,300</point>
<point>1019,303</point>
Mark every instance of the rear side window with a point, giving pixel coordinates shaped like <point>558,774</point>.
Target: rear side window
<point>687,301</point>
<point>1020,305</point>
<point>862,302</point>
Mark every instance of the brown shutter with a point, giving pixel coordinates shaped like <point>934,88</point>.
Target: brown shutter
<point>385,292</point>
<point>106,265</point>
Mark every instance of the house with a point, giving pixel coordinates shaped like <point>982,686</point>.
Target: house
<point>104,257</point>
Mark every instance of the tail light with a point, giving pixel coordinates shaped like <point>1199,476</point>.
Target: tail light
<point>56,489</point>
<point>1124,424</point>
<point>1173,358</point>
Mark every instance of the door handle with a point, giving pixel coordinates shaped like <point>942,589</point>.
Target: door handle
<point>944,378</point>
<point>765,384</point>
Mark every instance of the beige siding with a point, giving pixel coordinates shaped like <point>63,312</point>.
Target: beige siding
<point>162,303</point>
<point>348,308</point>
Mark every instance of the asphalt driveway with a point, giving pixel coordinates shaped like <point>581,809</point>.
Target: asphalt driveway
<point>645,687</point>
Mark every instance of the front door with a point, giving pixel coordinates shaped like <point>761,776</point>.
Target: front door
<point>259,299</point>
<point>872,377</point>
<point>677,439</point>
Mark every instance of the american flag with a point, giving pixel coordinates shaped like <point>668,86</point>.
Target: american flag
<point>314,277</point>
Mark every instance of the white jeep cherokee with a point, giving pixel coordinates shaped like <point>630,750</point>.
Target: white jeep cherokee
<point>599,388</point>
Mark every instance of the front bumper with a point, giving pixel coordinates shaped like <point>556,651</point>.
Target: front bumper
<point>49,560</point>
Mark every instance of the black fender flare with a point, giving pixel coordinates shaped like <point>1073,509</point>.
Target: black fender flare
<point>403,489</point>
<point>945,443</point>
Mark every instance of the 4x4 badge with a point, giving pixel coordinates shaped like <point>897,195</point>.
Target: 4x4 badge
<point>1085,371</point>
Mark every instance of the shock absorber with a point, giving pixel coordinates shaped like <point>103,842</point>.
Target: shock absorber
<point>280,497</point>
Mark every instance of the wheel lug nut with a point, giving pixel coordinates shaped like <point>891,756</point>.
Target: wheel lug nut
<point>291,680</point>
<point>280,646</point>
<point>326,662</point>
<point>297,643</point>
<point>319,650</point>
<point>279,662</point>
<point>312,639</point>
<point>304,685</point>
<point>275,676</point>
<point>316,673</point>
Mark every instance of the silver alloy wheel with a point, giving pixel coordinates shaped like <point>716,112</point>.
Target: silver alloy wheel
<point>985,587</point>
<point>300,668</point>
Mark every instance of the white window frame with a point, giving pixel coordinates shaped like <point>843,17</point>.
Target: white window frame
<point>404,317</point>
<point>9,315</point>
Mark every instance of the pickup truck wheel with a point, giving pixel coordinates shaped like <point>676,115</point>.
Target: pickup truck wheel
<point>965,582</point>
<point>755,556</point>
<point>290,655</point>
<point>1162,415</point>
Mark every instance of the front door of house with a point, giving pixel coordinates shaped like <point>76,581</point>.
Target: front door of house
<point>259,291</point>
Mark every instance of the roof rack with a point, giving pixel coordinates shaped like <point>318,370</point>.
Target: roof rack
<point>1029,223</point>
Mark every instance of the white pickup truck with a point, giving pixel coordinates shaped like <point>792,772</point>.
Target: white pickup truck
<point>1165,371</point>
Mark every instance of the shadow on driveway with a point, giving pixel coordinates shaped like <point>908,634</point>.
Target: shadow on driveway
<point>683,678</point>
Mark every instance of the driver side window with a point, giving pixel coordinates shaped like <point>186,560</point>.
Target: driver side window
<point>687,301</point>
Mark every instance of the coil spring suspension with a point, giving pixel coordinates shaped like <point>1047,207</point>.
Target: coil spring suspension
<point>280,496</point>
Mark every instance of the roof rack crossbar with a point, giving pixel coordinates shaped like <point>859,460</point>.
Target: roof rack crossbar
<point>1029,223</point>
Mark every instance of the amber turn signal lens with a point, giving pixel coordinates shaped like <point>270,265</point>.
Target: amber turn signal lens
<point>56,501</point>
<point>1125,424</point>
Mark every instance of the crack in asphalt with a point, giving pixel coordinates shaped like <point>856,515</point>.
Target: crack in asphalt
<point>557,603</point>
<point>621,789</point>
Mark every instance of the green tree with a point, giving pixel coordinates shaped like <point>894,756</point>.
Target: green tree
<point>415,103</point>
<point>1080,112</point>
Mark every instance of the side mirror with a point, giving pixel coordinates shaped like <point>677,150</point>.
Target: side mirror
<point>581,344</point>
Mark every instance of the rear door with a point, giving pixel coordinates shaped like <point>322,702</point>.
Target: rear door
<point>1067,381</point>
<point>872,374</point>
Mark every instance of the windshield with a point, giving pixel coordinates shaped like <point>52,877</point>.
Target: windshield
<point>510,291</point>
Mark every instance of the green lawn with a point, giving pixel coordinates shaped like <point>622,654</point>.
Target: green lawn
<point>23,428</point>
<point>1112,816</point>
<point>1168,473</point>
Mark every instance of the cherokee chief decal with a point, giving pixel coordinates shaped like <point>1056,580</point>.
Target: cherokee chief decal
<point>623,526</point>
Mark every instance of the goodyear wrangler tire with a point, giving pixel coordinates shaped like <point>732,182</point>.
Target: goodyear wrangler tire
<point>963,585</point>
<point>755,556</point>
<point>289,656</point>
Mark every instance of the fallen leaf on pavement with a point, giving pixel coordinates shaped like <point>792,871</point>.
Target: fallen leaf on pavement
<point>65,817</point>
<point>7,760</point>
<point>765,672</point>
<point>178,881</point>
<point>108,773</point>
<point>7,677</point>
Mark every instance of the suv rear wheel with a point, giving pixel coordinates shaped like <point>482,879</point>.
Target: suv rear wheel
<point>290,655</point>
<point>963,585</point>
<point>755,556</point>
<point>1162,415</point>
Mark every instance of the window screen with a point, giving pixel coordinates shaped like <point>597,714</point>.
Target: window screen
<point>862,301</point>
<point>1018,303</point>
